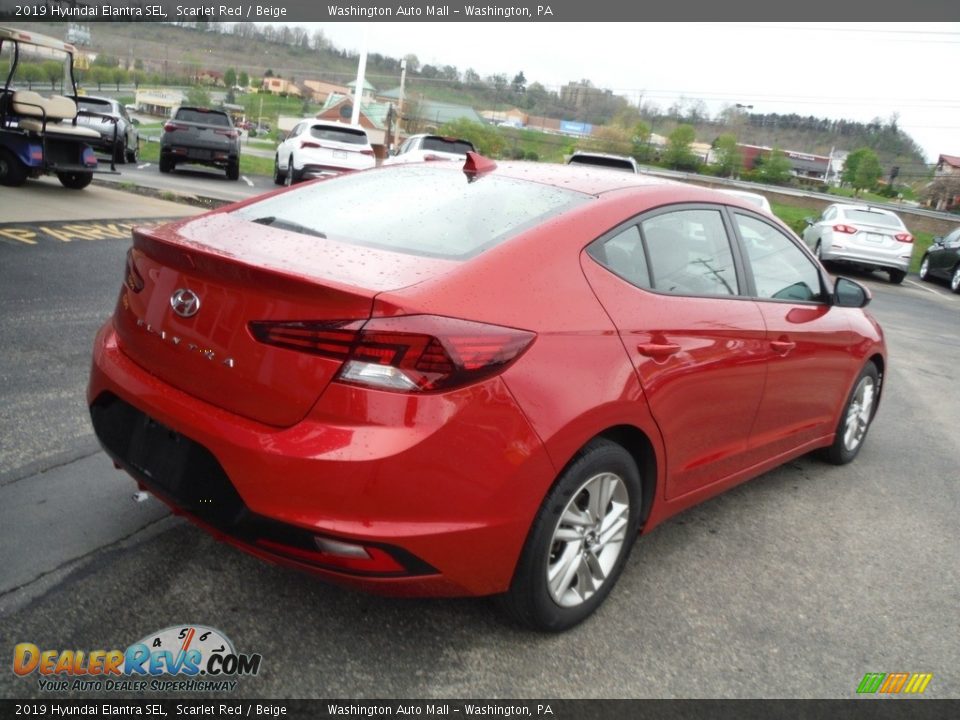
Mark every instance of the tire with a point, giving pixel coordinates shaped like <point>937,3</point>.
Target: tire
<point>818,251</point>
<point>278,176</point>
<point>12,171</point>
<point>133,154</point>
<point>896,276</point>
<point>233,170</point>
<point>579,541</point>
<point>856,417</point>
<point>955,280</point>
<point>166,164</point>
<point>120,153</point>
<point>293,176</point>
<point>925,268</point>
<point>75,180</point>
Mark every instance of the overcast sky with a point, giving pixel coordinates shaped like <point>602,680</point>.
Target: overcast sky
<point>835,70</point>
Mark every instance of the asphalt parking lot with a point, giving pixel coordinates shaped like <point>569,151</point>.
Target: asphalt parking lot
<point>795,584</point>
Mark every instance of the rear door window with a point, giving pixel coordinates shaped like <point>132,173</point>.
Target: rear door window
<point>781,270</point>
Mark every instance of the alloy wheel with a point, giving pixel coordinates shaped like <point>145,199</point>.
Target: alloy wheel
<point>955,280</point>
<point>859,413</point>
<point>588,539</point>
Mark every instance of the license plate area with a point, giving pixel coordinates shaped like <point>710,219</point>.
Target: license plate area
<point>340,154</point>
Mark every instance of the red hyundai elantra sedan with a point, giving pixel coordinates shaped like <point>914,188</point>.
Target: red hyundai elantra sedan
<point>475,380</point>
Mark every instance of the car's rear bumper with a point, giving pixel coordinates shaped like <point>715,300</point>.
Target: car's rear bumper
<point>216,157</point>
<point>896,259</point>
<point>446,485</point>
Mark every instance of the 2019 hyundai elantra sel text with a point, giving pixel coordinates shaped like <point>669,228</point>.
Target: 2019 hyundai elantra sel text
<point>487,382</point>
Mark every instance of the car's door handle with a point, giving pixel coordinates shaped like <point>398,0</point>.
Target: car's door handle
<point>658,350</point>
<point>782,347</point>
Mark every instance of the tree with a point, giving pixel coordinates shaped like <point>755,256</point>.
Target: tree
<point>488,140</point>
<point>243,80</point>
<point>118,75</point>
<point>868,172</point>
<point>198,96</point>
<point>610,139</point>
<point>52,71</point>
<point>99,75</point>
<point>678,154</point>
<point>852,174</point>
<point>774,169</point>
<point>729,160</point>
<point>519,84</point>
<point>413,63</point>
<point>230,77</point>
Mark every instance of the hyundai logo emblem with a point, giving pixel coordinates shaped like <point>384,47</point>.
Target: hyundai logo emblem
<point>185,303</point>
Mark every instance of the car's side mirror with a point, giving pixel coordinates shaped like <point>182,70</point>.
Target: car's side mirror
<point>135,121</point>
<point>937,240</point>
<point>809,220</point>
<point>849,293</point>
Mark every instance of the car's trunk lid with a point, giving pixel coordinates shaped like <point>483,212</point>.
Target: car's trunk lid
<point>242,272</point>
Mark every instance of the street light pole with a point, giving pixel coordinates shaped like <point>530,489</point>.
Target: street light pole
<point>403,77</point>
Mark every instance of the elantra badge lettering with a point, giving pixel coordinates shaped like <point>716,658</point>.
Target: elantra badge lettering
<point>185,303</point>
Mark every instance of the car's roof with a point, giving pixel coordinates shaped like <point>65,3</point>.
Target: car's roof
<point>611,156</point>
<point>337,124</point>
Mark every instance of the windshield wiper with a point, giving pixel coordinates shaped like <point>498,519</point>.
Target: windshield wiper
<point>276,222</point>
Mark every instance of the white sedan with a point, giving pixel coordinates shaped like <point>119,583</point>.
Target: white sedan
<point>316,148</point>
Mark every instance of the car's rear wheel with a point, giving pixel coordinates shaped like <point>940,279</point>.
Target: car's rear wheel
<point>233,170</point>
<point>955,280</point>
<point>75,180</point>
<point>12,171</point>
<point>856,418</point>
<point>278,175</point>
<point>293,176</point>
<point>818,251</point>
<point>579,541</point>
<point>925,268</point>
<point>896,276</point>
<point>133,154</point>
<point>120,153</point>
<point>166,164</point>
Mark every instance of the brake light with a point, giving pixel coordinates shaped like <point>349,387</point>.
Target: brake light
<point>413,353</point>
<point>367,152</point>
<point>848,229</point>
<point>232,134</point>
<point>132,277</point>
<point>308,144</point>
<point>904,237</point>
<point>173,127</point>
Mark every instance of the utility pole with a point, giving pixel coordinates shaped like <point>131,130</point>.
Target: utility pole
<point>403,77</point>
<point>358,90</point>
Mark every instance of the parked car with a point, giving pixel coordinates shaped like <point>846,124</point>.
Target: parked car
<point>200,136</point>
<point>421,148</point>
<point>942,260</point>
<point>604,160</point>
<point>863,236</point>
<point>119,136</point>
<point>318,148</point>
<point>441,380</point>
<point>751,197</point>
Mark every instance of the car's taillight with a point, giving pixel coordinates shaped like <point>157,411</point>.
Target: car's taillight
<point>172,127</point>
<point>367,152</point>
<point>848,229</point>
<point>309,144</point>
<point>232,134</point>
<point>904,237</point>
<point>412,353</point>
<point>132,277</point>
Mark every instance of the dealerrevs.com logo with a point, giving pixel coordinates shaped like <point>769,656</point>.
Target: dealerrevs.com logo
<point>181,658</point>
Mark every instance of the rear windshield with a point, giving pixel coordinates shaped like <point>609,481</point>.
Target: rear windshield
<point>439,144</point>
<point>873,218</point>
<point>342,135</point>
<point>613,163</point>
<point>206,117</point>
<point>94,105</point>
<point>415,210</point>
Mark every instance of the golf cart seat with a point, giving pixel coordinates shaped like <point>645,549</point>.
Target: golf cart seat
<point>41,114</point>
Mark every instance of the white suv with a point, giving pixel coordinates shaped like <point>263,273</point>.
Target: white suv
<point>420,148</point>
<point>316,148</point>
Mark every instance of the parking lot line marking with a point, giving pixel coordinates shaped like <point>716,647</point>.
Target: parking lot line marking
<point>145,165</point>
<point>924,287</point>
<point>246,180</point>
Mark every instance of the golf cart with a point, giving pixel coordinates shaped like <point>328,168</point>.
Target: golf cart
<point>39,134</point>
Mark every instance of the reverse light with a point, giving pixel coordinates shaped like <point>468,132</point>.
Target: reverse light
<point>904,237</point>
<point>848,229</point>
<point>412,353</point>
